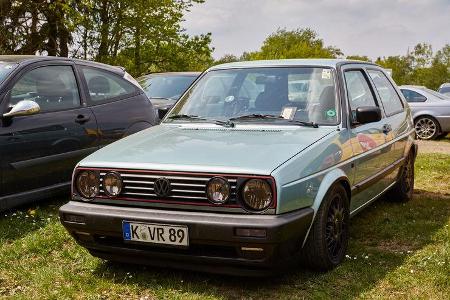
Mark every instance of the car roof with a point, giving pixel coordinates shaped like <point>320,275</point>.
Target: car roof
<point>190,74</point>
<point>331,63</point>
<point>28,59</point>
<point>411,86</point>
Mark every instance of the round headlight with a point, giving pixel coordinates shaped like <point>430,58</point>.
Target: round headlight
<point>87,184</point>
<point>257,194</point>
<point>218,190</point>
<point>112,184</point>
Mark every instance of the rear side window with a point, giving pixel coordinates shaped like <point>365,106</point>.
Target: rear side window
<point>389,97</point>
<point>412,96</point>
<point>52,87</point>
<point>105,86</point>
<point>358,89</point>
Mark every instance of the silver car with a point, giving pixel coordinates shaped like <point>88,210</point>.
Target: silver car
<point>431,111</point>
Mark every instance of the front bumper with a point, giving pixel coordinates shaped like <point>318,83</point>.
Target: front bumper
<point>213,246</point>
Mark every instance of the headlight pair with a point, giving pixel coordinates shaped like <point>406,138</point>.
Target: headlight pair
<point>256,193</point>
<point>88,184</point>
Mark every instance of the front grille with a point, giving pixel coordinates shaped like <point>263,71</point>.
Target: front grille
<point>185,188</point>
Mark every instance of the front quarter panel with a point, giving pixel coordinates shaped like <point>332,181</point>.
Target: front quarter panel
<point>303,179</point>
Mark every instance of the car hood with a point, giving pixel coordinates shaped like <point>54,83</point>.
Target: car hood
<point>207,148</point>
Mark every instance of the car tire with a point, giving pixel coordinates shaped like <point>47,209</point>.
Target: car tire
<point>427,128</point>
<point>327,242</point>
<point>403,189</point>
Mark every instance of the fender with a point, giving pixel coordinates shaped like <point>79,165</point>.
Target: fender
<point>332,177</point>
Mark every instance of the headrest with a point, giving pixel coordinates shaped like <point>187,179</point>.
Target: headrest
<point>98,85</point>
<point>327,94</point>
<point>47,87</point>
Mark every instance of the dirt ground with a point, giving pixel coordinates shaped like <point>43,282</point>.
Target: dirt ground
<point>437,146</point>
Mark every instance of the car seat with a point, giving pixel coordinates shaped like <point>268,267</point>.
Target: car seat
<point>99,88</point>
<point>325,111</point>
<point>274,96</point>
<point>52,94</point>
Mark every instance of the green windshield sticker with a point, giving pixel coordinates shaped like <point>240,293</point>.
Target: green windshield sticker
<point>331,113</point>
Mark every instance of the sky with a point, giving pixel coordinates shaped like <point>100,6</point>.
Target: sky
<point>357,27</point>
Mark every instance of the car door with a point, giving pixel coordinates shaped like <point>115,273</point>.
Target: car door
<point>367,140</point>
<point>396,126</point>
<point>41,150</point>
<point>120,107</point>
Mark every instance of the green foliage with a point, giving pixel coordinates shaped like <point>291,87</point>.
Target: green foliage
<point>141,35</point>
<point>227,58</point>
<point>298,43</point>
<point>420,67</point>
<point>359,57</point>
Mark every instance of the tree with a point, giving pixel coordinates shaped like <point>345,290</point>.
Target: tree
<point>359,57</point>
<point>298,43</point>
<point>420,66</point>
<point>227,58</point>
<point>142,35</point>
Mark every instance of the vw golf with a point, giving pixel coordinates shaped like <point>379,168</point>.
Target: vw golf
<point>258,165</point>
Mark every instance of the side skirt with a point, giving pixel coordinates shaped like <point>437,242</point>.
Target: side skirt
<point>10,201</point>
<point>359,209</point>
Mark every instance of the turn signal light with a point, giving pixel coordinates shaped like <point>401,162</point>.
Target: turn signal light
<point>251,232</point>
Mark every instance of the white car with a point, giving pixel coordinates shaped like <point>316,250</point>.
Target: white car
<point>431,111</point>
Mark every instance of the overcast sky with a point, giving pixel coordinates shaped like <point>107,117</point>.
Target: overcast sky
<point>373,28</point>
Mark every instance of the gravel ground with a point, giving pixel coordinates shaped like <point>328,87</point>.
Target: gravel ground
<point>437,146</point>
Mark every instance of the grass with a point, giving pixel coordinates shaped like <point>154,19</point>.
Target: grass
<point>396,251</point>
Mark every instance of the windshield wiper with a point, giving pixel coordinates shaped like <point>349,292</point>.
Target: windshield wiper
<point>185,117</point>
<point>273,117</point>
<point>161,98</point>
<point>256,116</point>
<point>304,123</point>
<point>227,123</point>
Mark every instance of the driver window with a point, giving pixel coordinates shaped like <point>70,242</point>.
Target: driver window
<point>358,89</point>
<point>52,87</point>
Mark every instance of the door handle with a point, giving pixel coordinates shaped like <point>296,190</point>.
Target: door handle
<point>82,119</point>
<point>387,128</point>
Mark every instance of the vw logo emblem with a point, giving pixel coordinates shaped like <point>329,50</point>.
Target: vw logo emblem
<point>162,187</point>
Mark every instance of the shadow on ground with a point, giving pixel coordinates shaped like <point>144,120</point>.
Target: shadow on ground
<point>25,219</point>
<point>382,237</point>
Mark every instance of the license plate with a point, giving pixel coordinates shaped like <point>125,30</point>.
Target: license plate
<point>175,235</point>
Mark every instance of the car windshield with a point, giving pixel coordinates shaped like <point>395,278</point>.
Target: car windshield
<point>437,94</point>
<point>165,87</point>
<point>305,94</point>
<point>445,90</point>
<point>6,69</point>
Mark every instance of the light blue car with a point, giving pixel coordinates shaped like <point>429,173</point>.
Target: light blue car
<point>258,166</point>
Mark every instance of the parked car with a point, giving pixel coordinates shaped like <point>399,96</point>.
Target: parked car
<point>445,89</point>
<point>245,185</point>
<point>164,89</point>
<point>54,112</point>
<point>431,111</point>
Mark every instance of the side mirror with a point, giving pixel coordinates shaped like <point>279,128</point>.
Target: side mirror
<point>162,112</point>
<point>368,114</point>
<point>23,108</point>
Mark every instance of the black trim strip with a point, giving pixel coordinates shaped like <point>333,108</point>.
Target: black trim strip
<point>368,182</point>
<point>51,158</point>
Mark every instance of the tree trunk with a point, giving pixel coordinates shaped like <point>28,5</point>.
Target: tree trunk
<point>137,49</point>
<point>104,31</point>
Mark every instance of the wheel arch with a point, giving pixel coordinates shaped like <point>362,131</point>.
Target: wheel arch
<point>336,176</point>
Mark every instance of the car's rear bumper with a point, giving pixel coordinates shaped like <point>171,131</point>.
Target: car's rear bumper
<point>213,245</point>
